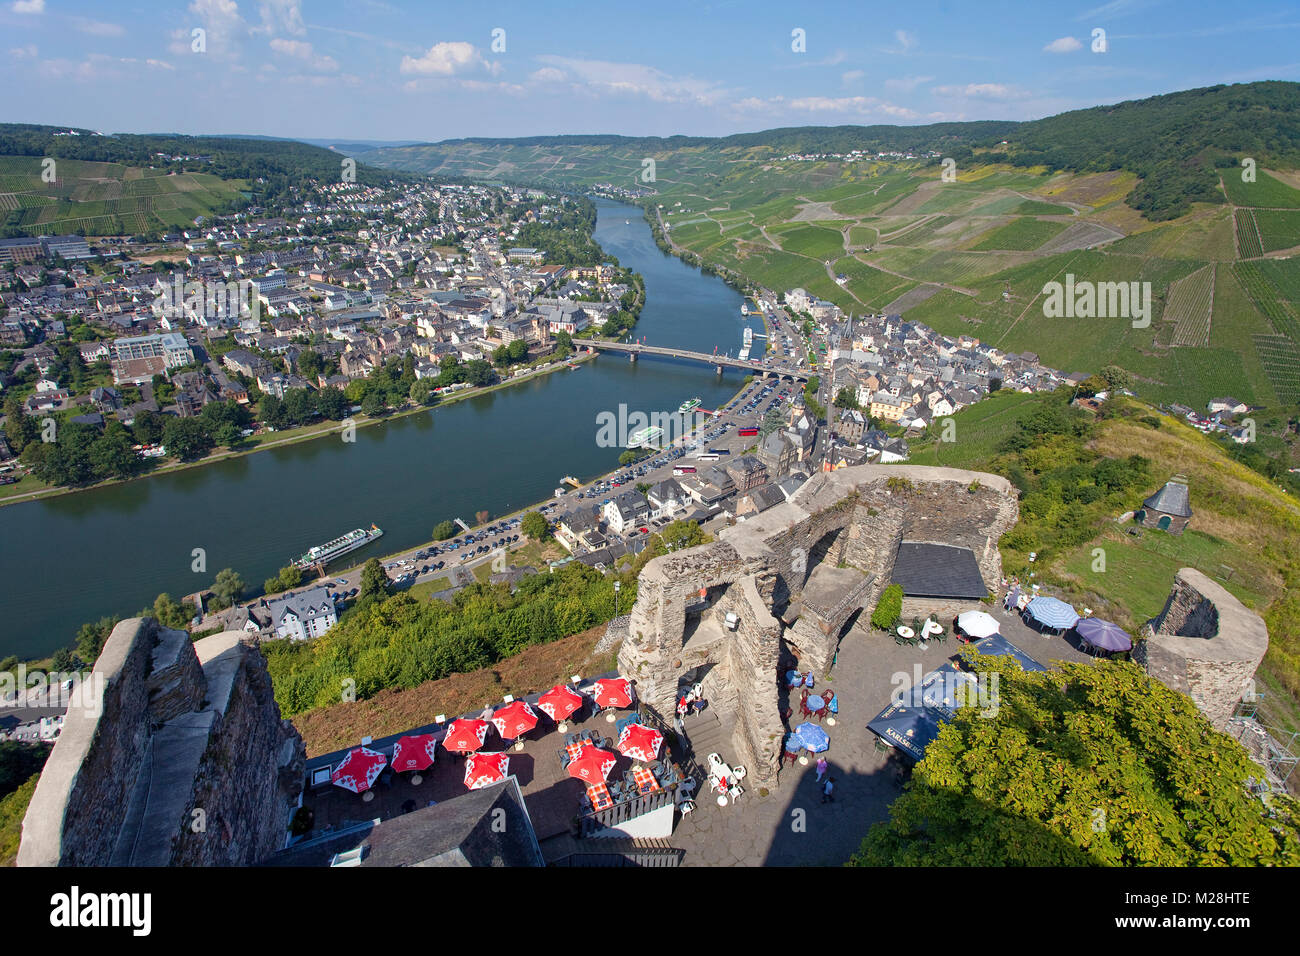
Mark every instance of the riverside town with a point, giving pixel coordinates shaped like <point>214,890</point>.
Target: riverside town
<point>757,438</point>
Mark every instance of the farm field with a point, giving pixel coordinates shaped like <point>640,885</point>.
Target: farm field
<point>1266,191</point>
<point>1021,234</point>
<point>1191,302</point>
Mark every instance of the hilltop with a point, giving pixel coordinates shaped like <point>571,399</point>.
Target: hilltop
<point>145,184</point>
<point>1147,191</point>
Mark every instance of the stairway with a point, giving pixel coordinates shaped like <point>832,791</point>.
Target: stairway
<point>706,735</point>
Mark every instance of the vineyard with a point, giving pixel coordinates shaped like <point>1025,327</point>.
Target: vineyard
<point>1190,305</point>
<point>1278,229</point>
<point>1249,244</point>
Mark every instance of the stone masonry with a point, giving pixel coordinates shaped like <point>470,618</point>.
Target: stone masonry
<point>823,555</point>
<point>183,761</point>
<point>1205,644</point>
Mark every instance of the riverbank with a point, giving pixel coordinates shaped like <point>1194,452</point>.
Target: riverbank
<point>292,436</point>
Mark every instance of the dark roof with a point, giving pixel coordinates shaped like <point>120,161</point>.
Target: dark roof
<point>938,570</point>
<point>457,832</point>
<point>1172,499</point>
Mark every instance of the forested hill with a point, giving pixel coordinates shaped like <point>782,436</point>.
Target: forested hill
<point>1172,141</point>
<point>274,160</point>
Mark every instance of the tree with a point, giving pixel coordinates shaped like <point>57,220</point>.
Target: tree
<point>228,586</point>
<point>186,439</point>
<point>92,636</point>
<point>375,585</point>
<point>310,364</point>
<point>535,525</point>
<point>228,434</point>
<point>888,607</point>
<point>1086,765</point>
<point>148,427</point>
<point>169,613</point>
<point>332,403</point>
<point>629,456</point>
<point>1116,377</point>
<point>847,398</point>
<point>443,530</point>
<point>373,405</point>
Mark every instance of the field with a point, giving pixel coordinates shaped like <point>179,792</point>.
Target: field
<point>1190,305</point>
<point>1277,229</point>
<point>1249,242</point>
<point>1265,192</point>
<point>106,198</point>
<point>1021,233</point>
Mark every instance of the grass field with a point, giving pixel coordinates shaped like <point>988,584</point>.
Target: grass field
<point>1265,191</point>
<point>1278,229</point>
<point>1023,233</point>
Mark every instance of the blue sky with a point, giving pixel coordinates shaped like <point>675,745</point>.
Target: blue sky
<point>393,70</point>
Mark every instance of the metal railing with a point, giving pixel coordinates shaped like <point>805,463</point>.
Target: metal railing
<point>625,811</point>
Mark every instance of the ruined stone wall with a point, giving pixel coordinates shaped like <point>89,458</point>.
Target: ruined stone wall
<point>119,786</point>
<point>1205,644</point>
<point>851,516</point>
<point>81,797</point>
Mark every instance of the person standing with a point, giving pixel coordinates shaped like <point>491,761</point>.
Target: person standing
<point>822,766</point>
<point>827,790</point>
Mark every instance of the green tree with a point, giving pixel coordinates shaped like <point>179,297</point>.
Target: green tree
<point>373,405</point>
<point>187,439</point>
<point>333,404</point>
<point>91,637</point>
<point>1085,765</point>
<point>535,525</point>
<point>228,586</point>
<point>443,530</point>
<point>375,585</point>
<point>847,398</point>
<point>888,607</point>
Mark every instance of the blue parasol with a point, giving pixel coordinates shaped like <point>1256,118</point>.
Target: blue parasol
<point>1052,612</point>
<point>811,737</point>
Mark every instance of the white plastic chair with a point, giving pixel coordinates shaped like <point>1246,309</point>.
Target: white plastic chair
<point>738,772</point>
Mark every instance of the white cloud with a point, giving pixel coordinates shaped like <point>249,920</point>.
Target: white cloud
<point>283,16</point>
<point>448,59</point>
<point>851,76</point>
<point>302,50</point>
<point>221,21</point>
<point>905,40</point>
<point>548,74</point>
<point>907,83</point>
<point>1063,45</point>
<point>981,91</point>
<point>867,106</point>
<point>97,28</point>
<point>27,52</point>
<point>604,77</point>
<point>28,6</point>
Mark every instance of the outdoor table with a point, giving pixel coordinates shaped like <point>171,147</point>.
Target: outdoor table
<point>645,780</point>
<point>598,794</point>
<point>575,749</point>
<point>905,632</point>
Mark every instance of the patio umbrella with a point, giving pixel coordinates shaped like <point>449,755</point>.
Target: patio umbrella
<point>1052,612</point>
<point>483,770</point>
<point>359,769</point>
<point>1104,634</point>
<point>811,737</point>
<point>414,752</point>
<point>615,692</point>
<point>978,624</point>
<point>465,735</point>
<point>592,765</point>
<point>560,702</point>
<point>513,719</point>
<point>640,742</point>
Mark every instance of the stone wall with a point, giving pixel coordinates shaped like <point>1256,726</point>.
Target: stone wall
<point>759,568</point>
<point>1206,644</point>
<point>180,727</point>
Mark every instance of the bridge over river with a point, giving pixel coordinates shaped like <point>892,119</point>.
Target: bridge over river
<point>636,349</point>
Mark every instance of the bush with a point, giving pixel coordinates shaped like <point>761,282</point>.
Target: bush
<point>888,608</point>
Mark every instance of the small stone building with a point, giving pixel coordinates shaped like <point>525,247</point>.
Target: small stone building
<point>1169,509</point>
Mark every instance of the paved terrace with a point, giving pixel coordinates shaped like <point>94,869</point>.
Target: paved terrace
<point>761,831</point>
<point>757,830</point>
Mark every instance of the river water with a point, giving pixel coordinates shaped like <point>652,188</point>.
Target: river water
<point>78,557</point>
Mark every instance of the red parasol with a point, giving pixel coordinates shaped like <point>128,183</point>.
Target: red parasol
<point>592,765</point>
<point>640,742</point>
<point>559,702</point>
<point>359,769</point>
<point>513,719</point>
<point>414,752</point>
<point>615,692</point>
<point>483,770</point>
<point>465,735</point>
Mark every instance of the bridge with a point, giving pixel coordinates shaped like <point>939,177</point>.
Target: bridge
<point>634,350</point>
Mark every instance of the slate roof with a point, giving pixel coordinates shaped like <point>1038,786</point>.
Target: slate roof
<point>1172,499</point>
<point>457,832</point>
<point>938,570</point>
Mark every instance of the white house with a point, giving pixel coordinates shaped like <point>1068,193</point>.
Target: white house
<point>303,615</point>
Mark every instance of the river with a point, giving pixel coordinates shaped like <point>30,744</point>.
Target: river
<point>77,557</point>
